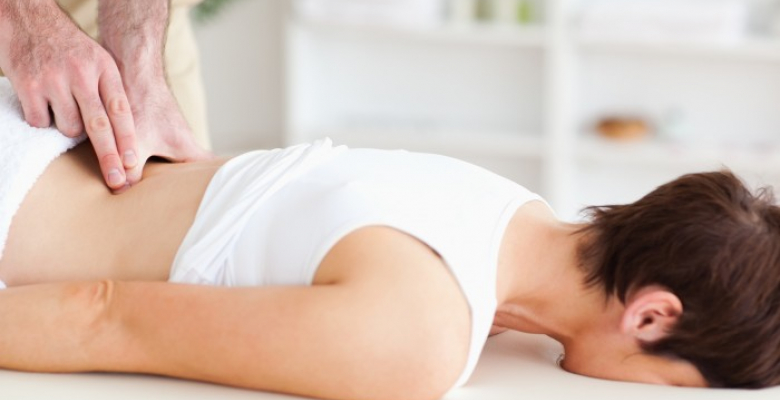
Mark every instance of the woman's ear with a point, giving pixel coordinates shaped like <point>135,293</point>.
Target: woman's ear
<point>651,313</point>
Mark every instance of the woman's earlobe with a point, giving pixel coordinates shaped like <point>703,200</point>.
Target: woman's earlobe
<point>651,313</point>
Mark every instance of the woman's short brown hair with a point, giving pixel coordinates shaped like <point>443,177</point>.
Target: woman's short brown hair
<point>716,246</point>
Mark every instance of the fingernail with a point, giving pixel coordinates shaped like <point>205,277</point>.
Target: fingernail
<point>130,159</point>
<point>122,189</point>
<point>115,178</point>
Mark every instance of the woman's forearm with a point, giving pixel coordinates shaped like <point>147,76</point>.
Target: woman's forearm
<point>54,327</point>
<point>341,341</point>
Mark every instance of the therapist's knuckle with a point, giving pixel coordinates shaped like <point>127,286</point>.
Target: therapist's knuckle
<point>70,118</point>
<point>83,78</point>
<point>119,106</point>
<point>67,129</point>
<point>103,60</point>
<point>70,127</point>
<point>123,135</point>
<point>69,132</point>
<point>99,124</point>
<point>106,68</point>
<point>37,118</point>
<point>73,119</point>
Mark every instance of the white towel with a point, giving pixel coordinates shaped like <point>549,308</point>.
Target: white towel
<point>25,152</point>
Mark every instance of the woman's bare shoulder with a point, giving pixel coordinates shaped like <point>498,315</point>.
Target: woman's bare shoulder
<point>390,266</point>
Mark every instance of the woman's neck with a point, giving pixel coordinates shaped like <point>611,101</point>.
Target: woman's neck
<point>541,287</point>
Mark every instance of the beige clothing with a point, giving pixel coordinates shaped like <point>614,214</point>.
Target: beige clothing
<point>182,61</point>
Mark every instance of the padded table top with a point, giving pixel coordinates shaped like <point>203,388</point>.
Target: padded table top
<point>514,366</point>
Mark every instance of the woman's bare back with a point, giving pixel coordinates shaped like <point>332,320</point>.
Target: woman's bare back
<point>70,226</point>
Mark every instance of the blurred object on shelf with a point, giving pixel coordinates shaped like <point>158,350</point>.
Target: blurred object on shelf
<point>775,24</point>
<point>208,9</point>
<point>674,124</point>
<point>507,12</point>
<point>761,15</point>
<point>369,12</point>
<point>484,10</point>
<point>623,128</point>
<point>719,21</point>
<point>462,11</point>
<point>529,12</point>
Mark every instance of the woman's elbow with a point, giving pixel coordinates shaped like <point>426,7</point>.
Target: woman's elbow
<point>108,344</point>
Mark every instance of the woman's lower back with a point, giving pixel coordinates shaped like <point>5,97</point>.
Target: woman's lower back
<point>70,227</point>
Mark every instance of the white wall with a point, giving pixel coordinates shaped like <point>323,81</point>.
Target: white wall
<point>359,78</point>
<point>242,57</point>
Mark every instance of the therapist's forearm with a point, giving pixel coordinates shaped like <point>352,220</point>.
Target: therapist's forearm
<point>134,33</point>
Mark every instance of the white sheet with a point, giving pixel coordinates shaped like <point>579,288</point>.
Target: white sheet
<point>25,152</point>
<point>513,367</point>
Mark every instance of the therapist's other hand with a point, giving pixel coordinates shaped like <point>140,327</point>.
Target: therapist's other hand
<point>134,33</point>
<point>162,129</point>
<point>55,66</point>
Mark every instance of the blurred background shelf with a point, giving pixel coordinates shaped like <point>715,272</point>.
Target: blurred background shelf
<point>524,99</point>
<point>748,49</point>
<point>482,143</point>
<point>688,156</point>
<point>445,33</point>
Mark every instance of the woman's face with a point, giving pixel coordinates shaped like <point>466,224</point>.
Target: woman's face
<point>637,367</point>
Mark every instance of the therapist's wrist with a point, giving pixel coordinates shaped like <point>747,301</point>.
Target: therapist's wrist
<point>134,33</point>
<point>138,63</point>
<point>145,92</point>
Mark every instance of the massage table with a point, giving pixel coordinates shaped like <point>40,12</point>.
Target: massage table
<point>514,366</point>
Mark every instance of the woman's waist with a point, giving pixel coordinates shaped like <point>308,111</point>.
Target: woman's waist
<point>70,227</point>
<point>151,220</point>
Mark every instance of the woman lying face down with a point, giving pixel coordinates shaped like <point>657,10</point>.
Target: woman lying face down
<point>694,269</point>
<point>355,273</point>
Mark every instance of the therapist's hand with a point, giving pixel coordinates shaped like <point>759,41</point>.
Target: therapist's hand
<point>162,129</point>
<point>55,66</point>
<point>134,33</point>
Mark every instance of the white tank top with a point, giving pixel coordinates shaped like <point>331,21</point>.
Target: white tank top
<point>270,217</point>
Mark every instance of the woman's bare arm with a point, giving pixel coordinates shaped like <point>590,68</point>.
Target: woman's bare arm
<point>380,338</point>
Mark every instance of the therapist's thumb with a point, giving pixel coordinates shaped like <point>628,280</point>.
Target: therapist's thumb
<point>135,174</point>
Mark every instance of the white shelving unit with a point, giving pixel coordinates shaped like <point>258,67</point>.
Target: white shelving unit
<point>677,155</point>
<point>752,49</point>
<point>483,34</point>
<point>500,143</point>
<point>522,101</point>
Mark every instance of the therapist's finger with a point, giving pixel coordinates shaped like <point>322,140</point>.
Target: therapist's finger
<point>66,113</point>
<point>102,137</point>
<point>36,109</point>
<point>121,117</point>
